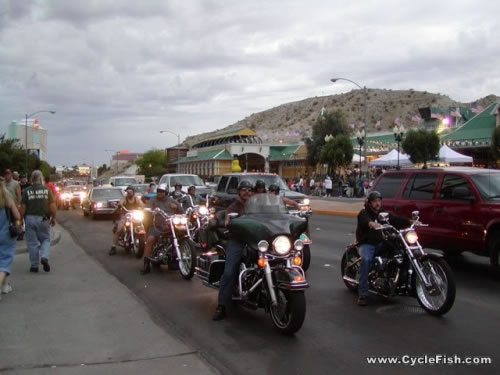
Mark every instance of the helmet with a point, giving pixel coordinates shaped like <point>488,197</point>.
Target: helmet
<point>274,188</point>
<point>130,187</point>
<point>162,187</point>
<point>260,184</point>
<point>373,195</point>
<point>245,184</point>
<point>178,184</point>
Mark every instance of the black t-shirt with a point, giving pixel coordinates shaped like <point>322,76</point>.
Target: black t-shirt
<point>364,234</point>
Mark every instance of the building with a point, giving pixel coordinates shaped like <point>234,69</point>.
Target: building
<point>215,154</point>
<point>123,158</point>
<point>32,137</point>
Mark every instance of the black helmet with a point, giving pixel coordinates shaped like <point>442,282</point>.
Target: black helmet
<point>274,188</point>
<point>130,187</point>
<point>373,195</point>
<point>260,185</point>
<point>178,184</point>
<point>245,184</point>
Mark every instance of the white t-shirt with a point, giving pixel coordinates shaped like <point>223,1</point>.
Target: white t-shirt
<point>328,183</point>
<point>311,183</point>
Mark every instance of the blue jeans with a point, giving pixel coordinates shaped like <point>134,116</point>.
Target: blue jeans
<point>367,253</point>
<point>234,252</point>
<point>37,238</point>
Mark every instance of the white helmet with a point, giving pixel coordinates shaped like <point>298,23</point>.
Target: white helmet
<point>162,187</point>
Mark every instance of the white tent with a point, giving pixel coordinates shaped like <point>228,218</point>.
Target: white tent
<point>391,159</point>
<point>355,158</point>
<point>447,155</point>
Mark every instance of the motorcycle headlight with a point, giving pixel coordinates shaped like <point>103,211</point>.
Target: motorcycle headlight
<point>184,220</point>
<point>83,195</point>
<point>176,220</point>
<point>282,245</point>
<point>64,196</point>
<point>306,201</point>
<point>411,237</point>
<point>298,245</point>
<point>138,215</point>
<point>263,246</point>
<point>203,210</point>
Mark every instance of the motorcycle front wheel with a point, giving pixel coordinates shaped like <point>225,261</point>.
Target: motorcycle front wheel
<point>139,247</point>
<point>289,313</point>
<point>438,299</point>
<point>306,257</point>
<point>188,259</point>
<point>350,267</point>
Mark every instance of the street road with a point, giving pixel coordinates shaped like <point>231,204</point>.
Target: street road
<point>337,335</point>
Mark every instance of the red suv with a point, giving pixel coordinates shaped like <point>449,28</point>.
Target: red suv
<point>461,206</point>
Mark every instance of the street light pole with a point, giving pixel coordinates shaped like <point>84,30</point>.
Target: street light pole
<point>399,132</point>
<point>178,141</point>
<point>26,134</point>
<point>365,96</point>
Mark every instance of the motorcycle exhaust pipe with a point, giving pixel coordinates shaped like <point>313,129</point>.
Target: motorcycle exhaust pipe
<point>269,279</point>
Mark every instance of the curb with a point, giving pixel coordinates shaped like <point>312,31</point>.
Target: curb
<point>335,213</point>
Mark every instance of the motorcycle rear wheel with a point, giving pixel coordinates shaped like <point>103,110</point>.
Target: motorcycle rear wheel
<point>352,272</point>
<point>441,299</point>
<point>188,259</point>
<point>290,312</point>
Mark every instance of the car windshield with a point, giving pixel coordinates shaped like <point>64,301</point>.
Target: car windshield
<point>268,180</point>
<point>124,181</point>
<point>186,180</point>
<point>140,188</point>
<point>107,194</point>
<point>488,185</point>
<point>265,203</point>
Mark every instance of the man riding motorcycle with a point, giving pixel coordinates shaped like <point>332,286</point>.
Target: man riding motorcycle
<point>370,240</point>
<point>260,187</point>
<point>170,206</point>
<point>233,253</point>
<point>130,202</point>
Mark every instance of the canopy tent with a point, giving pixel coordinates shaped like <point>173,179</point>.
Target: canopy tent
<point>447,155</point>
<point>391,159</point>
<point>355,158</point>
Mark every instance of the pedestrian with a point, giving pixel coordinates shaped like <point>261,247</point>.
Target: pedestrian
<point>328,185</point>
<point>7,242</point>
<point>24,183</point>
<point>50,185</point>
<point>312,186</point>
<point>301,185</point>
<point>39,209</point>
<point>12,186</point>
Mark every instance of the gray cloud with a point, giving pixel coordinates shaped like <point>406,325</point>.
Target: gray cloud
<point>117,72</point>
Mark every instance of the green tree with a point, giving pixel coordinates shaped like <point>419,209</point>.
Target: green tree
<point>495,143</point>
<point>152,162</point>
<point>333,124</point>
<point>337,152</point>
<point>13,156</point>
<point>103,168</point>
<point>421,146</point>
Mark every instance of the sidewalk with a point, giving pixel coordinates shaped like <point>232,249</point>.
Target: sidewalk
<point>336,206</point>
<point>78,319</point>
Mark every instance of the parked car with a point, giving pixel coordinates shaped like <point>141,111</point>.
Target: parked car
<point>226,191</point>
<point>460,204</point>
<point>186,180</point>
<point>101,201</point>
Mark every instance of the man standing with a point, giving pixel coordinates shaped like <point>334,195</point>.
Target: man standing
<point>328,186</point>
<point>39,209</point>
<point>13,187</point>
<point>24,183</point>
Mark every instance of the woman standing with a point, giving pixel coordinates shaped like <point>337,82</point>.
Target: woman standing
<point>7,243</point>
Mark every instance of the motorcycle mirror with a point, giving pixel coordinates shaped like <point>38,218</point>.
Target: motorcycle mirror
<point>383,217</point>
<point>414,215</point>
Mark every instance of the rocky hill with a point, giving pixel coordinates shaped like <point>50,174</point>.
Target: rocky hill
<point>291,122</point>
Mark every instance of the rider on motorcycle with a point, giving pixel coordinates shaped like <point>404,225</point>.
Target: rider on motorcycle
<point>130,202</point>
<point>170,206</point>
<point>275,189</point>
<point>234,252</point>
<point>371,240</point>
<point>260,187</point>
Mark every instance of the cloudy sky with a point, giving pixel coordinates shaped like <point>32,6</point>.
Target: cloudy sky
<point>118,72</point>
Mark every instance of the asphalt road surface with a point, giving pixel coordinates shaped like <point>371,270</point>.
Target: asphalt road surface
<point>337,335</point>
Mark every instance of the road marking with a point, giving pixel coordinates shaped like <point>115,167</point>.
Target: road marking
<point>327,265</point>
<point>318,228</point>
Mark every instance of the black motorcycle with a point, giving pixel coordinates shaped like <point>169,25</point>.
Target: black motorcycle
<point>133,234</point>
<point>270,275</point>
<point>174,248</point>
<point>403,268</point>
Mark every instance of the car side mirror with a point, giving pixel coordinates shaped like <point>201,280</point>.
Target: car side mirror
<point>462,193</point>
<point>383,217</point>
<point>415,215</point>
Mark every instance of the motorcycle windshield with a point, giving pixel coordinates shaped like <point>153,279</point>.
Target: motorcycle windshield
<point>264,218</point>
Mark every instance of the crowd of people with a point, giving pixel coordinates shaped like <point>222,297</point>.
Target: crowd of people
<point>27,208</point>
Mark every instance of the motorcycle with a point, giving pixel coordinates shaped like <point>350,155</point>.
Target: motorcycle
<point>133,234</point>
<point>174,248</point>
<point>270,274</point>
<point>403,268</point>
<point>64,201</point>
<point>198,218</point>
<point>305,211</point>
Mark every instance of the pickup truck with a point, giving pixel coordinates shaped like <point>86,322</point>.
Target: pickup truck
<point>226,191</point>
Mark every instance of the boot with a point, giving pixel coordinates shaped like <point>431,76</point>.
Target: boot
<point>147,266</point>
